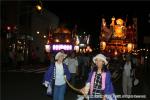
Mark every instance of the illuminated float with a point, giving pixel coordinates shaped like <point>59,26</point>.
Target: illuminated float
<point>59,38</point>
<point>63,38</point>
<point>118,38</point>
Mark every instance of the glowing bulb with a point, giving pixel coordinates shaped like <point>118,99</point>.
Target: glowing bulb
<point>39,7</point>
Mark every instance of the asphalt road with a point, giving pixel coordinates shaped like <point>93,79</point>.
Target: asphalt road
<point>26,86</point>
<point>21,85</point>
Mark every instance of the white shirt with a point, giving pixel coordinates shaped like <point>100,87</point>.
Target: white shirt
<point>72,64</point>
<point>127,68</point>
<point>59,80</point>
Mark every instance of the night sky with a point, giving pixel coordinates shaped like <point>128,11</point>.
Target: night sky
<point>88,14</point>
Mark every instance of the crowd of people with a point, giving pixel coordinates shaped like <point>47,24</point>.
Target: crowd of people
<point>92,70</point>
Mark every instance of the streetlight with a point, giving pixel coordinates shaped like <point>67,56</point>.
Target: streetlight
<point>38,7</point>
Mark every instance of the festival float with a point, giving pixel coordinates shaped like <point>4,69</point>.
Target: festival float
<point>118,37</point>
<point>68,40</point>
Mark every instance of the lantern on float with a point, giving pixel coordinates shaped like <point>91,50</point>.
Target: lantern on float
<point>47,48</point>
<point>115,53</point>
<point>88,49</point>
<point>76,48</point>
<point>102,45</point>
<point>130,47</point>
<point>124,49</point>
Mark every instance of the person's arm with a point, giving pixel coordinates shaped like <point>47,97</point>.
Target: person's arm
<point>132,69</point>
<point>67,72</point>
<point>86,88</point>
<point>66,61</point>
<point>48,75</point>
<point>108,84</point>
<point>76,65</point>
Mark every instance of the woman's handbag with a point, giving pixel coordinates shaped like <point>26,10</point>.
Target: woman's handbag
<point>49,90</point>
<point>136,82</point>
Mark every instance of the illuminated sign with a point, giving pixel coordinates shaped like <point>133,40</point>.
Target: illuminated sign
<point>61,46</point>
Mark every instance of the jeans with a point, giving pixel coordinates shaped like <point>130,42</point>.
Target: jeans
<point>59,92</point>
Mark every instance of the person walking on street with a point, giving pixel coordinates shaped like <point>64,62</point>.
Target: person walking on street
<point>99,85</point>
<point>72,63</point>
<point>55,75</point>
<point>127,75</point>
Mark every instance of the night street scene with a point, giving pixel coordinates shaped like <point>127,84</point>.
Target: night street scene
<point>75,50</point>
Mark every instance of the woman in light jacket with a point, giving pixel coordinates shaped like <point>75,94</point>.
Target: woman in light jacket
<point>55,75</point>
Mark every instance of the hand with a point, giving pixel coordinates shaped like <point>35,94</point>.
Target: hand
<point>82,90</point>
<point>85,89</point>
<point>103,98</point>
<point>46,83</point>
